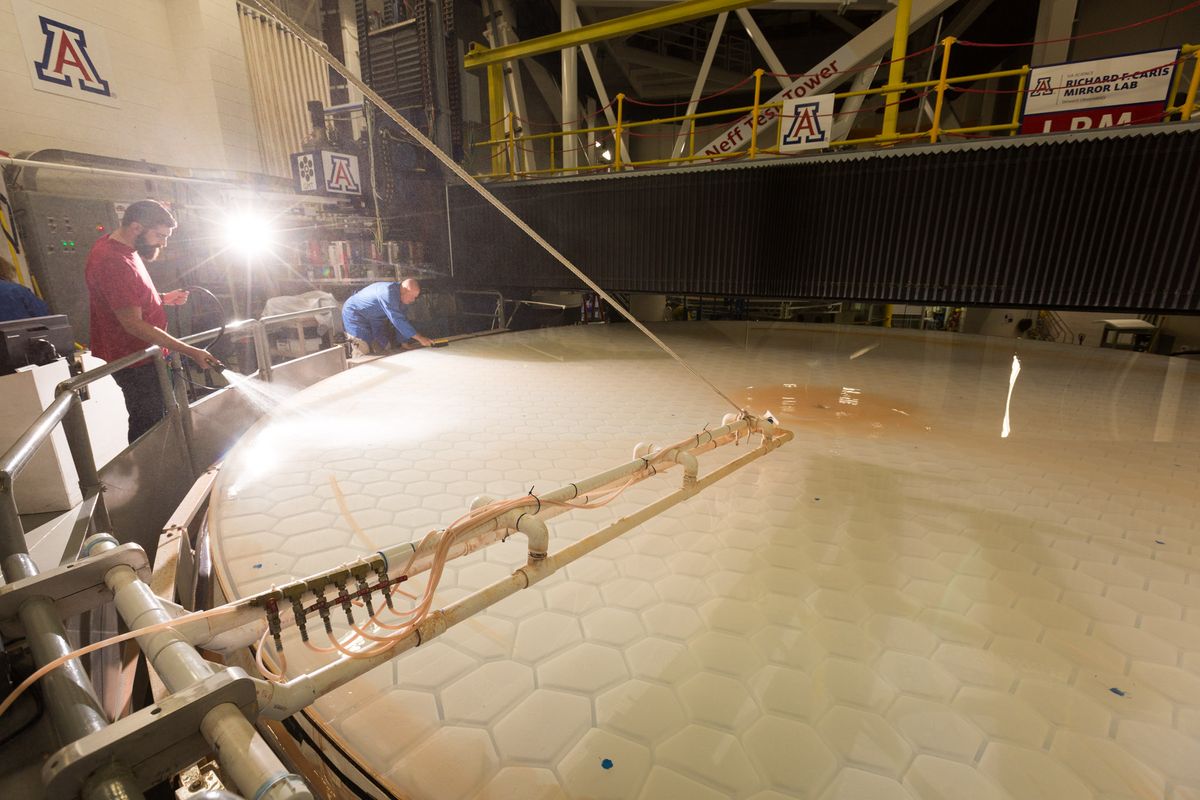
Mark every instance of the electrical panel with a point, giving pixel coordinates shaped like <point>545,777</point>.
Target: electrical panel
<point>59,231</point>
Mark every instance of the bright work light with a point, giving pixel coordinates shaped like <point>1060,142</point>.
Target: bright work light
<point>249,233</point>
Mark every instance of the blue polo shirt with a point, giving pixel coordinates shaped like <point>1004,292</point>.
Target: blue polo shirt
<point>17,302</point>
<point>374,310</point>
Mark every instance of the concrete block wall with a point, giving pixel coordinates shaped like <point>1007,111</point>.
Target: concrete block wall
<point>177,69</point>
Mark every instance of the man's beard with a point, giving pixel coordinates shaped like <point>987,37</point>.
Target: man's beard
<point>147,251</point>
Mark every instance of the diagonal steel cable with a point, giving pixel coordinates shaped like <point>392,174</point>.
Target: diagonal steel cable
<point>270,9</point>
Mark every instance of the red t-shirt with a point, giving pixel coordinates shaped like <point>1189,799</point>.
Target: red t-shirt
<point>117,278</point>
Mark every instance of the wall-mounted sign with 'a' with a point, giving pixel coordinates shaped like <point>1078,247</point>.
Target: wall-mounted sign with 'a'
<point>65,55</point>
<point>806,123</point>
<point>326,172</point>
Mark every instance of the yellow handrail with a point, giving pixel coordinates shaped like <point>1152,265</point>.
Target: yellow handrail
<point>942,85</point>
<point>508,141</point>
<point>1190,103</point>
<point>1184,52</point>
<point>617,143</point>
<point>758,73</point>
<point>512,146</point>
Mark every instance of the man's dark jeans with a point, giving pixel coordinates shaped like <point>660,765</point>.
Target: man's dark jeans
<point>143,398</point>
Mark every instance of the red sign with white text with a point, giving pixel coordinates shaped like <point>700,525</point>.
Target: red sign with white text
<point>1084,119</point>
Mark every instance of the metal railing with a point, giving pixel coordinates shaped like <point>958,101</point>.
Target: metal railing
<point>75,710</point>
<point>506,147</point>
<point>67,410</point>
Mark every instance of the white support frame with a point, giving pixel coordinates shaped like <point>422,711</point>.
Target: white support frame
<point>849,110</point>
<point>862,48</point>
<point>774,5</point>
<point>589,58</point>
<point>701,78</point>
<point>569,20</point>
<point>764,47</point>
<point>1056,20</point>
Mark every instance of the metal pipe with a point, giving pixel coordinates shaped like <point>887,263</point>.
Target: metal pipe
<point>1190,103</point>
<point>116,173</point>
<point>936,124</point>
<point>1176,77</point>
<point>618,134</point>
<point>93,375</point>
<point>570,89</point>
<point>280,700</point>
<point>242,753</point>
<point>495,81</point>
<point>110,782</point>
<point>262,353</point>
<point>185,416</point>
<point>276,319</point>
<point>75,711</point>
<point>74,708</point>
<point>1018,102</point>
<point>512,147</point>
<point>668,14</point>
<point>12,530</point>
<point>891,111</point>
<point>17,456</point>
<point>758,73</point>
<point>79,442</point>
<point>244,625</point>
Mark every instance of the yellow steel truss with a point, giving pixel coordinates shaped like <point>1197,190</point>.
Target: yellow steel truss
<point>660,17</point>
<point>504,145</point>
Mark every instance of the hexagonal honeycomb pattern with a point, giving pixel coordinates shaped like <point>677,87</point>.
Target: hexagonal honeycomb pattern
<point>898,604</point>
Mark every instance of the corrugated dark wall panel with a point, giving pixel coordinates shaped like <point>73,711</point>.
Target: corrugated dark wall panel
<point>395,66</point>
<point>1105,223</point>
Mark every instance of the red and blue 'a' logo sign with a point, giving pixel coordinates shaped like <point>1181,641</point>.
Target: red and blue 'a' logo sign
<point>66,61</point>
<point>805,125</point>
<point>341,176</point>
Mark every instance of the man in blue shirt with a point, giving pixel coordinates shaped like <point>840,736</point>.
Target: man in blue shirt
<point>17,302</point>
<point>374,311</point>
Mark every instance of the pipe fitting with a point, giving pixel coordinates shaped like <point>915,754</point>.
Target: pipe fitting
<point>95,540</point>
<point>289,786</point>
<point>691,467</point>
<point>642,449</point>
<point>481,500</point>
<point>767,426</point>
<point>537,533</point>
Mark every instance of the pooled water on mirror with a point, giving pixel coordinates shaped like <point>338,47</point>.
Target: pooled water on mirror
<point>900,603</point>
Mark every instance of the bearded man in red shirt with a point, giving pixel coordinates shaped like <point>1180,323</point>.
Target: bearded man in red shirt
<point>127,313</point>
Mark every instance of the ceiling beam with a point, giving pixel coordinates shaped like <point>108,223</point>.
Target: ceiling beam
<point>660,17</point>
<point>837,6</point>
<point>839,21</point>
<point>675,66</point>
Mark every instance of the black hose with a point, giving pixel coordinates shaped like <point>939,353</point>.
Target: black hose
<point>221,308</point>
<point>208,347</point>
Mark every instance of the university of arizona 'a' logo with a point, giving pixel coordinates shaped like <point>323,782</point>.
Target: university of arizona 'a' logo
<point>805,125</point>
<point>341,176</point>
<point>1042,88</point>
<point>66,61</point>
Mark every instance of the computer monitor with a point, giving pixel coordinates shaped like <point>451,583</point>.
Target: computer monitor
<point>26,341</point>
